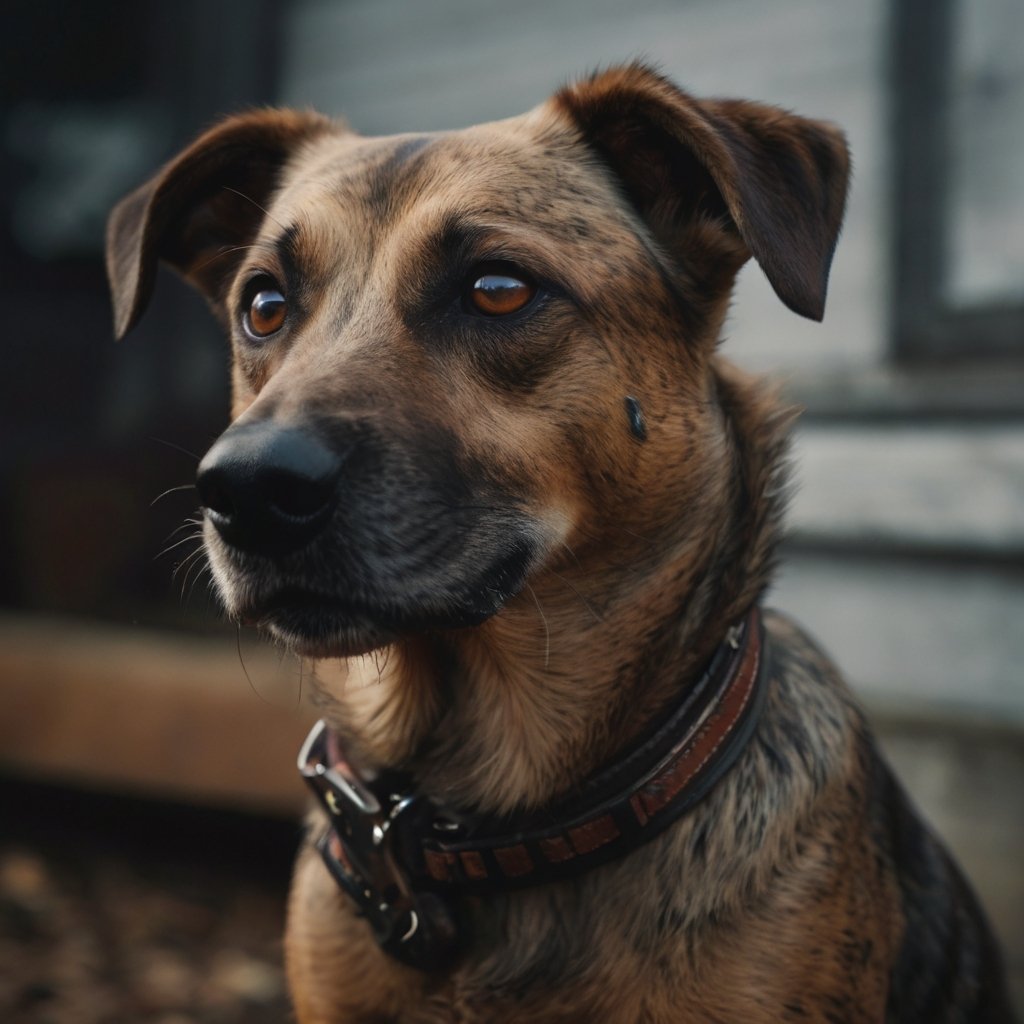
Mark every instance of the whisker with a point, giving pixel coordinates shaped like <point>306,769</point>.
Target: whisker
<point>177,544</point>
<point>185,568</point>
<point>190,557</point>
<point>186,525</point>
<point>241,661</point>
<point>204,568</point>
<point>572,554</point>
<point>262,210</point>
<point>228,249</point>
<point>176,447</point>
<point>544,620</point>
<point>651,542</point>
<point>172,490</point>
<point>589,606</point>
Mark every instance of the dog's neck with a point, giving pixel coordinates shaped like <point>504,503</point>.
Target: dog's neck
<point>511,714</point>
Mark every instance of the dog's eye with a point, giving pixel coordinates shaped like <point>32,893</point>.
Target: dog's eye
<point>500,293</point>
<point>266,313</point>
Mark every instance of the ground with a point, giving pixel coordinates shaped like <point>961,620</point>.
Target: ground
<point>121,912</point>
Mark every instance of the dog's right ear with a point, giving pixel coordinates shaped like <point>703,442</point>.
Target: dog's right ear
<point>201,207</point>
<point>767,177</point>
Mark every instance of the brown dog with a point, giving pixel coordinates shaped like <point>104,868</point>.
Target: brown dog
<point>482,430</point>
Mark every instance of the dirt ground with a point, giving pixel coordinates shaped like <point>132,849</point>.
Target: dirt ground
<point>123,912</point>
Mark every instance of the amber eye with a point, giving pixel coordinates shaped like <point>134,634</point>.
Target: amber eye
<point>498,294</point>
<point>266,313</point>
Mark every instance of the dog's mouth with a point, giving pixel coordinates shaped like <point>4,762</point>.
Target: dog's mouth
<point>322,624</point>
<point>325,625</point>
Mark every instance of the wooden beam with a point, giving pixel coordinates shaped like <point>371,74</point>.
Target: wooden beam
<point>141,710</point>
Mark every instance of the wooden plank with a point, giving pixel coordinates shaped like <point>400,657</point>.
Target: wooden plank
<point>932,488</point>
<point>140,710</point>
<point>914,633</point>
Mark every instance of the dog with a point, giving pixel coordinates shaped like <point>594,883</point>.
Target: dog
<point>488,466</point>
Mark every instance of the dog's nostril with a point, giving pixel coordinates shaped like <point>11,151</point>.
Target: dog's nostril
<point>215,494</point>
<point>296,496</point>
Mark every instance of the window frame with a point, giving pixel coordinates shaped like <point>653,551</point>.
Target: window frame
<point>925,324</point>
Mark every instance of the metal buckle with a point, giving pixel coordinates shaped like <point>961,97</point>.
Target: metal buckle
<point>360,850</point>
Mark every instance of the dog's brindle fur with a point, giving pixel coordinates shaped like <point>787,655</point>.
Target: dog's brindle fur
<point>543,579</point>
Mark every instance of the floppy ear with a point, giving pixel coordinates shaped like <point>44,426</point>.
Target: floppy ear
<point>200,206</point>
<point>778,180</point>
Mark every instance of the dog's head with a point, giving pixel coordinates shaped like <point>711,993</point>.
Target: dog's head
<point>456,356</point>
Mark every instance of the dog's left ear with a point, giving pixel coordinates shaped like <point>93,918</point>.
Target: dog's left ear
<point>779,180</point>
<point>199,210</point>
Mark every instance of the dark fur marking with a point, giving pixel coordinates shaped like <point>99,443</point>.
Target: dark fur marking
<point>635,415</point>
<point>391,178</point>
<point>948,970</point>
<point>300,282</point>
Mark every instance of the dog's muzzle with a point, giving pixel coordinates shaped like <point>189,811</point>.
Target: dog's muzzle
<point>269,489</point>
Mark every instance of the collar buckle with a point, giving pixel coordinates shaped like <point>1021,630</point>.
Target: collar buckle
<point>360,849</point>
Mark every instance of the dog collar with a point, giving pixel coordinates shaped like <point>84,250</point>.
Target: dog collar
<point>405,861</point>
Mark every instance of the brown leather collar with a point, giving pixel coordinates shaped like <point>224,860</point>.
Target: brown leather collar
<point>404,860</point>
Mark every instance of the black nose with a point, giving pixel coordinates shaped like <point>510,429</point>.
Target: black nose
<point>268,489</point>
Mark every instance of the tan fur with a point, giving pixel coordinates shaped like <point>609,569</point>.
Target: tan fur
<point>775,898</point>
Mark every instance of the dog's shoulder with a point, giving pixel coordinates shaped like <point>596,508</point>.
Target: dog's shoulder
<point>809,701</point>
<point>947,967</point>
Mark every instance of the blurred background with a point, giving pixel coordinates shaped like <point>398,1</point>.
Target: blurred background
<point>149,801</point>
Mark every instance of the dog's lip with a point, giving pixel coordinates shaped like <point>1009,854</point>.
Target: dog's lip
<point>324,623</point>
<point>321,625</point>
<point>292,600</point>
